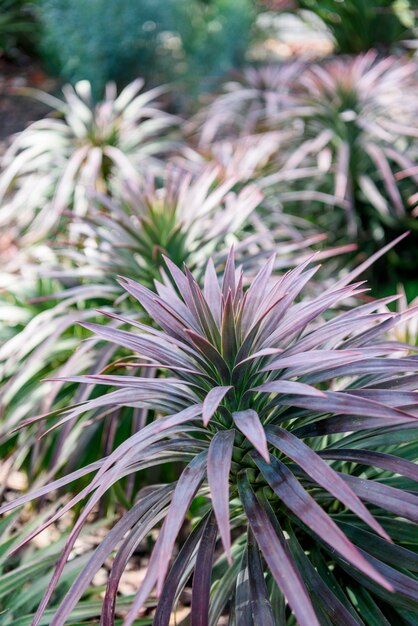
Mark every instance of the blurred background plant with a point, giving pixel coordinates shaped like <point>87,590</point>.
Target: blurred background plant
<point>56,163</point>
<point>359,25</point>
<point>18,27</point>
<point>341,134</point>
<point>100,41</point>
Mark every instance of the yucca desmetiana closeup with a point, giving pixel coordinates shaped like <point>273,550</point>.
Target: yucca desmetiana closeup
<point>297,429</point>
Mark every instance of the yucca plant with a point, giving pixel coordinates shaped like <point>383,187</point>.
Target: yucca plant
<point>254,95</point>
<point>186,217</point>
<point>348,127</point>
<point>361,118</point>
<point>287,420</point>
<point>58,162</point>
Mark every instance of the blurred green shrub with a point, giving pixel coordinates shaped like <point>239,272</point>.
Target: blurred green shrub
<point>100,40</point>
<point>158,39</point>
<point>18,28</point>
<point>359,25</point>
<point>215,35</point>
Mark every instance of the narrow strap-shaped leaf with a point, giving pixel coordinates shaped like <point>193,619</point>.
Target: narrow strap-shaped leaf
<point>389,462</point>
<point>228,331</point>
<point>294,496</point>
<point>212,401</point>
<point>260,603</point>
<point>210,353</point>
<point>212,291</point>
<point>157,566</point>
<point>249,424</point>
<point>397,501</point>
<point>218,467</point>
<point>95,562</point>
<point>350,423</point>
<point>387,552</point>
<point>366,264</point>
<point>203,574</point>
<point>149,520</point>
<point>321,473</point>
<point>171,585</point>
<point>228,281</point>
<point>224,590</point>
<point>281,566</point>
<point>242,613</point>
<point>368,608</point>
<point>289,387</point>
<point>405,587</point>
<point>255,295</point>
<point>347,404</point>
<point>184,492</point>
<point>329,601</point>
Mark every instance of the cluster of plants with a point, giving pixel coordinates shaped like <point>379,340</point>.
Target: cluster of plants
<point>186,390</point>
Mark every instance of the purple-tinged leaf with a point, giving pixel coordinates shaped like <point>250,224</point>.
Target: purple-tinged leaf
<point>313,359</point>
<point>389,462</point>
<point>175,575</point>
<point>203,574</point>
<point>272,546</point>
<point>210,353</point>
<point>255,295</point>
<point>249,424</point>
<point>378,157</point>
<point>405,588</point>
<point>148,346</point>
<point>398,501</point>
<point>203,311</point>
<point>212,291</point>
<point>228,331</point>
<point>347,404</point>
<point>218,468</point>
<point>321,473</point>
<point>389,553</point>
<point>184,493</point>
<point>348,278</point>
<point>260,603</point>
<point>151,518</point>
<point>332,605</point>
<point>294,496</point>
<point>53,486</point>
<point>212,402</point>
<point>390,397</point>
<point>228,281</point>
<point>243,614</point>
<point>346,423</point>
<point>289,387</point>
<point>105,548</point>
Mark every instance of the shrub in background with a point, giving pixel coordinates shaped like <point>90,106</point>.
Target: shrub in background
<point>161,40</point>
<point>215,36</point>
<point>18,27</point>
<point>101,41</point>
<point>285,423</point>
